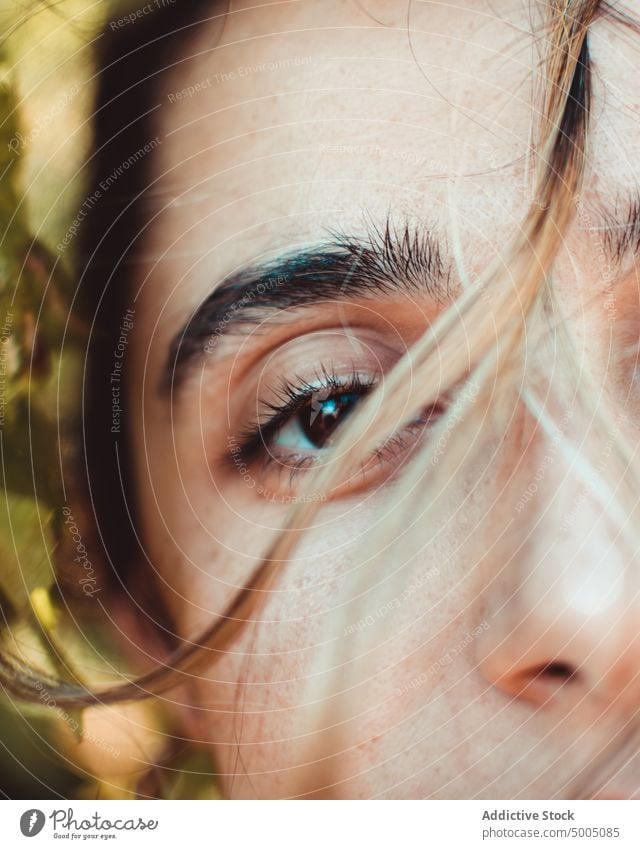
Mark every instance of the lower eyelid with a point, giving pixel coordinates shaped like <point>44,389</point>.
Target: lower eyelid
<point>295,462</point>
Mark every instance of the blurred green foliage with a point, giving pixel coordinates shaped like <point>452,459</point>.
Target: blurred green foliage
<point>46,95</point>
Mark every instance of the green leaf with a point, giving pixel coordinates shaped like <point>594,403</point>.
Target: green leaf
<point>26,543</point>
<point>29,442</point>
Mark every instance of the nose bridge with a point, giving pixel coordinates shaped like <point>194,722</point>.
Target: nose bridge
<point>569,598</point>
<point>572,545</point>
<point>563,500</point>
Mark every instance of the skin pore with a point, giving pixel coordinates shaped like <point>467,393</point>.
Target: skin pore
<point>386,148</point>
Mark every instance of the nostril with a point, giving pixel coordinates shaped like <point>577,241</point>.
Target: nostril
<point>557,671</point>
<point>540,683</point>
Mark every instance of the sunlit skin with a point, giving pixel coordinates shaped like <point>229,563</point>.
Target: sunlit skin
<point>365,118</point>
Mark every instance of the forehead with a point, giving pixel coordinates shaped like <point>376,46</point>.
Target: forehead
<point>308,110</point>
<point>280,120</point>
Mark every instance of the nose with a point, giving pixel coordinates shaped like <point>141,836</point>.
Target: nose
<point>563,605</point>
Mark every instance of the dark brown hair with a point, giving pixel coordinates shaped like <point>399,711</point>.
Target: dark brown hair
<point>132,62</point>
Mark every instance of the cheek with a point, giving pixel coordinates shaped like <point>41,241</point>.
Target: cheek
<point>311,685</point>
<point>370,643</point>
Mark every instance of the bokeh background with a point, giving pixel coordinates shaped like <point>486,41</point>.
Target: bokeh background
<point>46,92</point>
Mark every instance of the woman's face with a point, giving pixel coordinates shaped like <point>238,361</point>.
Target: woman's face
<point>330,175</point>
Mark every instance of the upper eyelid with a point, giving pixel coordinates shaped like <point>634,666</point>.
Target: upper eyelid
<point>328,378</point>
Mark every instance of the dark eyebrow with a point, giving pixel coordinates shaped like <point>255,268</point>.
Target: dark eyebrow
<point>384,261</point>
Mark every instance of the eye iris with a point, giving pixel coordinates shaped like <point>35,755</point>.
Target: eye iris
<point>320,418</point>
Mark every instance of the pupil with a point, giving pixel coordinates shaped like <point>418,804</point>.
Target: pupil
<point>322,416</point>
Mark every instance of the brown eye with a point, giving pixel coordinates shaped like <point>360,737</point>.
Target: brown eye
<point>323,414</point>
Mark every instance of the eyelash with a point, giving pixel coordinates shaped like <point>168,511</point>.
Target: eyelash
<point>294,397</point>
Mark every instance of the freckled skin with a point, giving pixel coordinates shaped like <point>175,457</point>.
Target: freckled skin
<point>357,117</point>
